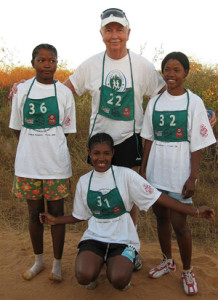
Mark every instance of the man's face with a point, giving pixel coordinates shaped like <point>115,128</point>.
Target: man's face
<point>115,36</point>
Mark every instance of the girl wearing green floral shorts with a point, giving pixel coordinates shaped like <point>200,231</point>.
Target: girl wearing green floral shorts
<point>43,114</point>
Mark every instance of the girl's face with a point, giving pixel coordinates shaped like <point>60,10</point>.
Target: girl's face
<point>174,74</point>
<point>45,64</point>
<point>101,155</point>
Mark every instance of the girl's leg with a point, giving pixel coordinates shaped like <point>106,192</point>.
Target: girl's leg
<point>87,267</point>
<point>183,236</point>
<point>35,207</point>
<point>36,234</point>
<point>164,229</point>
<point>119,271</point>
<point>56,208</point>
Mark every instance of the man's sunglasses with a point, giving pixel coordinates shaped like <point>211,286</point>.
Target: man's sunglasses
<point>113,11</point>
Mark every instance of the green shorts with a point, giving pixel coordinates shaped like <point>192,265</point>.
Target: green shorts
<point>35,189</point>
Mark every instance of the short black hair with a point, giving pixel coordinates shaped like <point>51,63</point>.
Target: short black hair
<point>181,57</point>
<point>44,46</point>
<point>100,138</point>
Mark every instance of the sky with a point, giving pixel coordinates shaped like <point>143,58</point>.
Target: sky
<point>189,26</point>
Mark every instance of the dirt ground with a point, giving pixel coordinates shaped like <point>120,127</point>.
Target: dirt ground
<point>16,256</point>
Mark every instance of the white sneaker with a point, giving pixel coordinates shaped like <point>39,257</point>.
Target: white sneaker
<point>92,285</point>
<point>138,262</point>
<point>126,287</point>
<point>189,283</point>
<point>163,268</point>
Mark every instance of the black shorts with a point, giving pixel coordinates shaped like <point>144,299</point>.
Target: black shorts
<point>105,250</point>
<point>128,153</point>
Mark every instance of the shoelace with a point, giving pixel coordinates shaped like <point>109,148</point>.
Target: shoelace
<point>188,276</point>
<point>162,264</point>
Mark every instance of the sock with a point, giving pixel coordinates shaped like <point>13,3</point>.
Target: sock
<point>187,270</point>
<point>170,260</point>
<point>36,268</point>
<point>56,272</point>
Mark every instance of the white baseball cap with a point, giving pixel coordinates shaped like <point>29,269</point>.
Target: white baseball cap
<point>114,15</point>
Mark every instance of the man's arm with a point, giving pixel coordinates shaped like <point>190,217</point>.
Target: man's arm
<point>162,90</point>
<point>212,117</point>
<point>69,84</point>
<point>17,133</point>
<point>14,87</point>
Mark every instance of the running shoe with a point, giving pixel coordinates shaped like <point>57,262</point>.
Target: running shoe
<point>138,262</point>
<point>163,268</point>
<point>92,285</point>
<point>189,283</point>
<point>126,287</point>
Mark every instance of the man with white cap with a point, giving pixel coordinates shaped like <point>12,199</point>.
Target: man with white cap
<point>117,80</point>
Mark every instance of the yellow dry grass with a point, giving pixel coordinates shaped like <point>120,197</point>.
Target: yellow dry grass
<point>13,212</point>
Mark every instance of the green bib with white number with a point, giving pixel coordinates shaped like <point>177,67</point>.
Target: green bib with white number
<point>170,126</point>
<point>41,113</point>
<point>116,105</point>
<point>106,206</point>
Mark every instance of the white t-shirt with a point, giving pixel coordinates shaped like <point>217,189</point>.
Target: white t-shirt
<point>133,189</point>
<point>169,163</point>
<point>88,77</point>
<point>43,153</point>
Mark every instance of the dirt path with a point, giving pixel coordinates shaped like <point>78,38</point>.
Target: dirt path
<point>16,256</point>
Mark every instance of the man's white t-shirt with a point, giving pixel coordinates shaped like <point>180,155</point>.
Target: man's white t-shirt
<point>117,75</point>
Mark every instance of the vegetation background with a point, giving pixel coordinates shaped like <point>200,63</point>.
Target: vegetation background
<point>202,80</point>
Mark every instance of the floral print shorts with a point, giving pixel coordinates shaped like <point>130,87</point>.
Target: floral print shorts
<point>35,189</point>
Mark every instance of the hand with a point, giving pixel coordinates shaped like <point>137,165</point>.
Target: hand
<point>189,188</point>
<point>143,175</point>
<point>14,88</point>
<point>46,218</point>
<point>212,117</point>
<point>206,212</point>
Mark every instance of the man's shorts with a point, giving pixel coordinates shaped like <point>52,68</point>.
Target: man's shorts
<point>128,153</point>
<point>178,197</point>
<point>35,189</point>
<point>107,250</point>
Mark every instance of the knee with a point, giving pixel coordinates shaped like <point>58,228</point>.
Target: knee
<point>162,220</point>
<point>181,231</point>
<point>56,208</point>
<point>119,281</point>
<point>84,277</point>
<point>34,217</point>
